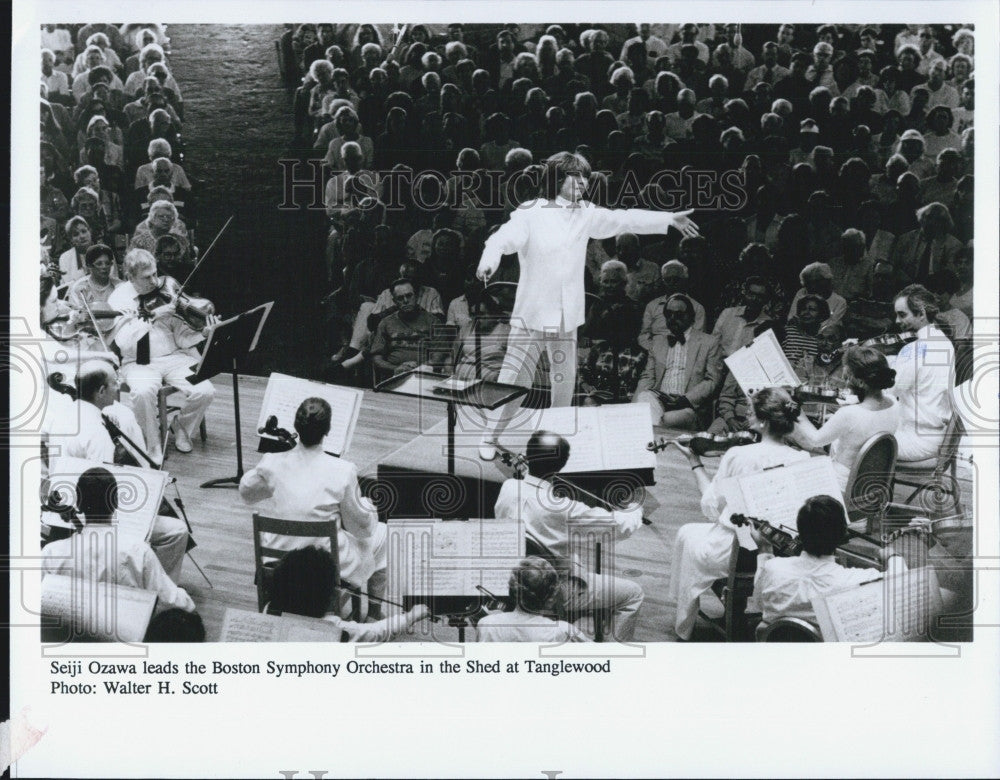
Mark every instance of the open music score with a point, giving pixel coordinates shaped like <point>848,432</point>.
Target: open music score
<point>762,364</point>
<point>284,393</point>
<point>777,494</point>
<point>140,493</point>
<point>898,608</point>
<point>95,610</point>
<point>601,438</point>
<point>240,625</point>
<point>452,557</point>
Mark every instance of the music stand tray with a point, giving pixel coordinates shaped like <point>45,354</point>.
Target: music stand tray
<point>423,384</point>
<point>228,344</point>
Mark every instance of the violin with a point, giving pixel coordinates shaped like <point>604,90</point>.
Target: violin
<point>707,443</point>
<point>783,543</point>
<point>194,311</point>
<point>887,344</point>
<point>817,394</point>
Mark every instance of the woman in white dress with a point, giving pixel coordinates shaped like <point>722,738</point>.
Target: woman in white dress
<point>868,374</point>
<point>702,550</point>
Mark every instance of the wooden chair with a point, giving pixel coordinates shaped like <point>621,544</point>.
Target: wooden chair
<point>939,474</point>
<point>789,630</point>
<point>166,410</point>
<point>734,590</point>
<point>265,558</point>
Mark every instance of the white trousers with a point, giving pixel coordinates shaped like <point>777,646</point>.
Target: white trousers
<point>524,350</point>
<point>169,542</point>
<point>144,384</point>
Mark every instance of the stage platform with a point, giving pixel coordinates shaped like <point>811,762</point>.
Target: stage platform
<point>387,424</point>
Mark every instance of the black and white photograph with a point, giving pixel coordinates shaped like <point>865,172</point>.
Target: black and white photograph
<point>562,375</point>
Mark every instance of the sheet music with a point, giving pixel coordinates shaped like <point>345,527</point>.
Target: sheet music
<point>895,609</point>
<point>451,557</point>
<point>762,364</point>
<point>284,394</point>
<point>776,495</point>
<point>602,438</point>
<point>240,625</point>
<point>140,492</point>
<point>99,609</point>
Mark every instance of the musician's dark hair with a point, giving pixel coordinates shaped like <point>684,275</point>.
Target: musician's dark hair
<point>822,525</point>
<point>92,377</point>
<point>97,495</point>
<point>312,421</point>
<point>533,583</point>
<point>176,625</point>
<point>870,367</point>
<point>558,167</point>
<point>96,251</point>
<point>303,583</point>
<point>546,453</point>
<point>777,408</point>
<point>920,300</point>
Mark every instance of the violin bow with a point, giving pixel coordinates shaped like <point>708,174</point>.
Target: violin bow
<point>93,321</point>
<point>206,253</point>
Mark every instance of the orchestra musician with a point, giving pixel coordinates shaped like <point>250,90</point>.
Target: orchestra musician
<point>535,593</point>
<point>548,518</point>
<point>550,237</point>
<point>93,290</point>
<point>925,376</point>
<point>868,375</point>
<point>87,553</point>
<point>97,394</point>
<point>157,351</point>
<point>702,550</point>
<point>308,485</point>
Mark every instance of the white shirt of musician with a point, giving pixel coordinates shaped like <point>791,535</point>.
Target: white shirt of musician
<point>167,335</point>
<point>547,517</point>
<point>925,376</point>
<point>92,440</point>
<point>87,555</point>
<point>550,238</point>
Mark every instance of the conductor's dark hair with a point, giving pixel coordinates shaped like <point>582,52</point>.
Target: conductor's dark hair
<point>97,495</point>
<point>533,583</point>
<point>777,408</point>
<point>312,421</point>
<point>176,625</point>
<point>559,166</point>
<point>303,583</point>
<point>546,453</point>
<point>822,525</point>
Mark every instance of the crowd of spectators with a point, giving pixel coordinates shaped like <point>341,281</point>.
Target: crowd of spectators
<point>829,167</point>
<point>112,157</point>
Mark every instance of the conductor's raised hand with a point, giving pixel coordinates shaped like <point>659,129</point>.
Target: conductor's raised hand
<point>686,225</point>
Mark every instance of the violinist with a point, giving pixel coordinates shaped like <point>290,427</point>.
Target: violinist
<point>785,587</point>
<point>868,375</point>
<point>702,550</point>
<point>548,521</point>
<point>88,438</point>
<point>157,351</point>
<point>93,290</point>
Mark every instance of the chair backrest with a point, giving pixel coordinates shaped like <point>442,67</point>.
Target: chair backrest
<point>789,630</point>
<point>293,528</point>
<point>869,485</point>
<point>948,451</point>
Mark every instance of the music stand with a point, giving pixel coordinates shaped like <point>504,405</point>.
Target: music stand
<point>228,344</point>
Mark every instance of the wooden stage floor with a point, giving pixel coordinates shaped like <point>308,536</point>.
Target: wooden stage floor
<point>222,522</point>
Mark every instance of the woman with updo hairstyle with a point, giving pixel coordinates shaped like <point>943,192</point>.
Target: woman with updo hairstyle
<point>868,375</point>
<point>536,593</point>
<point>702,550</point>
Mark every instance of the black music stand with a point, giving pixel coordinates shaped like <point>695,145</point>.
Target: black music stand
<point>423,384</point>
<point>228,344</point>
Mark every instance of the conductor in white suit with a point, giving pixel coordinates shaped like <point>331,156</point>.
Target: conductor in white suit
<point>550,238</point>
